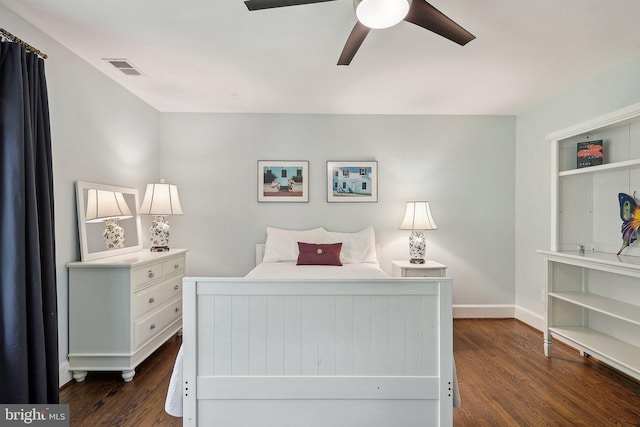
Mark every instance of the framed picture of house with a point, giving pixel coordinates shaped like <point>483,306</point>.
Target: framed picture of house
<point>283,181</point>
<point>349,182</point>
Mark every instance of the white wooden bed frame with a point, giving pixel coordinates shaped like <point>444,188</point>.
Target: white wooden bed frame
<point>355,352</point>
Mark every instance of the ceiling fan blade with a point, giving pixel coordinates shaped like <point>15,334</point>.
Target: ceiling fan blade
<point>426,16</point>
<point>268,4</point>
<point>357,36</point>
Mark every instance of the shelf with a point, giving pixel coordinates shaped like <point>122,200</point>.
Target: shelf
<point>610,307</point>
<point>617,353</point>
<point>620,264</point>
<point>602,168</point>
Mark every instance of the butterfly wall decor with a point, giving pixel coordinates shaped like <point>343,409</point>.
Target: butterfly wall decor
<point>630,215</point>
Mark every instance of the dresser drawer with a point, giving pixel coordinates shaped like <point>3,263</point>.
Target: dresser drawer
<point>146,275</point>
<point>436,272</point>
<point>155,296</point>
<point>147,328</point>
<point>173,266</point>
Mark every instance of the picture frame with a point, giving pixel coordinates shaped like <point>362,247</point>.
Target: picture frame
<point>352,182</point>
<point>284,181</point>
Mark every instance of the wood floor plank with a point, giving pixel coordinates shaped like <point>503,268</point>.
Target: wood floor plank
<point>504,377</point>
<point>501,366</point>
<point>104,399</point>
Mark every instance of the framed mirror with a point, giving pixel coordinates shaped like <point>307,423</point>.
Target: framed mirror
<point>108,220</point>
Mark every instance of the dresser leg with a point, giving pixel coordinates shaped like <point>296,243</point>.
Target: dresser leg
<point>179,334</point>
<point>128,375</point>
<point>79,376</point>
<point>547,347</point>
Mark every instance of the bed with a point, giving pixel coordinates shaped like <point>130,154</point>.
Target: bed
<point>330,345</point>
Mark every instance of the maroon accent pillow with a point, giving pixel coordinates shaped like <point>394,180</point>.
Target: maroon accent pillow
<point>319,253</point>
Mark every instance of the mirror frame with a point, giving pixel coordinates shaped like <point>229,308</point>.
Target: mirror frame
<point>81,188</point>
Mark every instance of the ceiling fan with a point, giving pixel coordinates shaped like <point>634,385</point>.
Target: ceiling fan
<point>383,14</point>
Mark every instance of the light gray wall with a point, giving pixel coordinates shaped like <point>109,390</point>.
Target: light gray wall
<point>464,165</point>
<point>615,89</point>
<point>100,133</point>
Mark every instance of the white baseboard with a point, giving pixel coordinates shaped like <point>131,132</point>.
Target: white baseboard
<point>483,311</point>
<point>64,375</point>
<point>532,319</point>
<point>498,311</point>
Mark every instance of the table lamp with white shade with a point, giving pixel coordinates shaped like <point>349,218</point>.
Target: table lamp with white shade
<point>160,200</point>
<point>108,207</point>
<point>417,217</point>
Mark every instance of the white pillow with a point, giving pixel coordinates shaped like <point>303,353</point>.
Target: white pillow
<point>282,245</point>
<point>357,248</point>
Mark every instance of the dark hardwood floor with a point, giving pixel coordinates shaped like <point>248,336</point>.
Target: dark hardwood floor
<point>104,399</point>
<point>504,377</point>
<point>506,380</point>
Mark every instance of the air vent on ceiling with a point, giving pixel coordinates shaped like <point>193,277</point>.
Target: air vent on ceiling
<point>124,66</point>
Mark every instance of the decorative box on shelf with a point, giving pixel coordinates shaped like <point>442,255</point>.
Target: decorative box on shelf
<point>590,153</point>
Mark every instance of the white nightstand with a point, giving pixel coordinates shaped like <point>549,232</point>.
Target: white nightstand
<point>428,269</point>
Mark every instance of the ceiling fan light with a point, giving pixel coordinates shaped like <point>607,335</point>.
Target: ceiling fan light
<point>379,14</point>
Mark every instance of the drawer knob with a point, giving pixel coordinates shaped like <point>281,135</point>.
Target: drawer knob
<point>176,266</point>
<point>176,287</point>
<point>151,275</point>
<point>152,300</point>
<point>153,326</point>
<point>177,309</point>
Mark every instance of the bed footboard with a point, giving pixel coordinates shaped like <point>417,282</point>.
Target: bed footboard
<point>375,352</point>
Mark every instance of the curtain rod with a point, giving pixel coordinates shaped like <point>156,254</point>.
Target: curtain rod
<point>6,34</point>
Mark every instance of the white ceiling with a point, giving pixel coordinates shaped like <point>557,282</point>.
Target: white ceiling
<point>216,56</point>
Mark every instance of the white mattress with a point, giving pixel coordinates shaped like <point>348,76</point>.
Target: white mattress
<point>289,270</point>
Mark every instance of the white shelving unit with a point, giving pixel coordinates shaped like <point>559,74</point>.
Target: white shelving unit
<point>593,296</point>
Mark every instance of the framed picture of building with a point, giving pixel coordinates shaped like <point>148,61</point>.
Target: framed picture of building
<point>349,182</point>
<point>283,181</point>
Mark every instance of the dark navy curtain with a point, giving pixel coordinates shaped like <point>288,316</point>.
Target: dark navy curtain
<point>28,306</point>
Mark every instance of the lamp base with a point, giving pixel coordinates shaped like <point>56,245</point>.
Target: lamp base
<point>417,247</point>
<point>159,233</point>
<point>159,248</point>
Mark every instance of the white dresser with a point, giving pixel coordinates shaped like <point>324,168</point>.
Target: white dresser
<point>123,308</point>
